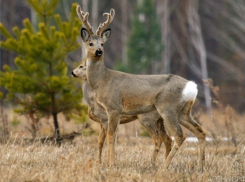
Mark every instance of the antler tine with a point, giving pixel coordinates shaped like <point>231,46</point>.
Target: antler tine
<point>103,26</point>
<point>84,19</point>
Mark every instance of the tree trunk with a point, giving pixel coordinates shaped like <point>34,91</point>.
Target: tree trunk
<point>124,31</point>
<point>198,44</point>
<point>54,110</point>
<point>174,36</point>
<point>56,126</point>
<point>165,38</point>
<point>55,119</point>
<point>66,7</point>
<point>95,13</point>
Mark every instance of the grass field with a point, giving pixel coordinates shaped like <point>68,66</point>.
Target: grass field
<point>76,161</point>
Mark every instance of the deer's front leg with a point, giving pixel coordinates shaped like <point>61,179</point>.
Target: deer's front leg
<point>101,140</point>
<point>113,121</point>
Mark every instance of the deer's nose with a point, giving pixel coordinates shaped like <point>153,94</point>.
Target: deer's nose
<point>98,52</point>
<point>73,74</point>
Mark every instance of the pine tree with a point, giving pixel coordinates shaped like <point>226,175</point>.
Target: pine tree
<point>40,83</point>
<point>144,46</point>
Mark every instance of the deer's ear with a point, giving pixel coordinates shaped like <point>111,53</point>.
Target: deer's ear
<point>106,34</point>
<point>85,34</point>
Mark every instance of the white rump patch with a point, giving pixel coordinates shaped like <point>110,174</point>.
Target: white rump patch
<point>190,91</point>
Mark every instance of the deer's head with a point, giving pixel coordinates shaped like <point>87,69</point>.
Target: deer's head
<point>80,71</point>
<point>94,42</point>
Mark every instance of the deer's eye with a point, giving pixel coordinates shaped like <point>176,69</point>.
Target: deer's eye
<point>91,44</point>
<point>102,44</point>
<point>80,66</point>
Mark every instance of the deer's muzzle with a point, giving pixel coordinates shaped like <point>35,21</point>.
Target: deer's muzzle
<point>73,74</point>
<point>98,52</point>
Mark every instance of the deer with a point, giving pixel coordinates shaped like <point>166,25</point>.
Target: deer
<point>121,93</point>
<point>152,121</point>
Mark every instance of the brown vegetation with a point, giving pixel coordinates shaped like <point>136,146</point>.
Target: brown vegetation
<point>76,162</point>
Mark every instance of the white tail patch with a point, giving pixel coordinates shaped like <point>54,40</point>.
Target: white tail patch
<point>190,91</point>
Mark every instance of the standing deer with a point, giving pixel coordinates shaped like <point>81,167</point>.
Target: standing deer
<point>121,93</point>
<point>152,121</point>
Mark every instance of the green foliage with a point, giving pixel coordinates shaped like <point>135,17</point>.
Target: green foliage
<point>44,8</point>
<point>40,83</point>
<point>144,44</point>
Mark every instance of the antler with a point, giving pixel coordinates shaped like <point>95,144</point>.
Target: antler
<point>104,25</point>
<point>84,19</point>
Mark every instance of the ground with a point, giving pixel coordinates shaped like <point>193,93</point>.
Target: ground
<point>22,160</point>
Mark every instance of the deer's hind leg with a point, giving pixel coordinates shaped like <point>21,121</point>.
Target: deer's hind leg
<point>187,121</point>
<point>154,126</point>
<point>152,130</point>
<point>164,136</point>
<point>171,122</point>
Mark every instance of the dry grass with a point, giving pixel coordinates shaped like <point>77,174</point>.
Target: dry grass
<point>20,161</point>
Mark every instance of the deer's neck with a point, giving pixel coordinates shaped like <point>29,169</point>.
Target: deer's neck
<point>96,73</point>
<point>88,94</point>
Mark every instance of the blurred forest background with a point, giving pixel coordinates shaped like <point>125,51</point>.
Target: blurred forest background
<point>201,40</point>
<point>195,39</point>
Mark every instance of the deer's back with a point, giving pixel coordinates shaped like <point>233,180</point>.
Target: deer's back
<point>138,93</point>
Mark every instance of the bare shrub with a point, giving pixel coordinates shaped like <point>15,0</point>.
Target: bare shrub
<point>33,122</point>
<point>222,117</point>
<point>5,126</point>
